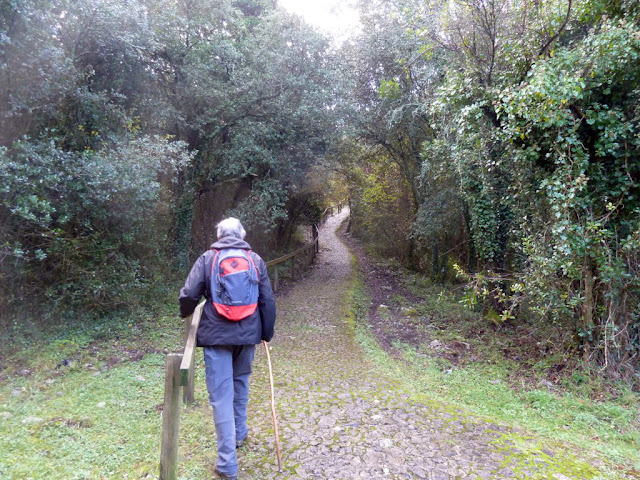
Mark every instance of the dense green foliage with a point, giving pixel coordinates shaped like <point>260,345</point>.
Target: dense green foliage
<point>129,128</point>
<point>517,126</point>
<point>84,226</point>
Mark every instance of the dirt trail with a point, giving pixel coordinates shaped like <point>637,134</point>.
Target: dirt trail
<point>340,418</point>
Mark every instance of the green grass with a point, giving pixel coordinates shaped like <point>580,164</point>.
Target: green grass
<point>608,427</point>
<point>605,432</point>
<point>100,416</point>
<point>82,400</point>
<point>82,425</point>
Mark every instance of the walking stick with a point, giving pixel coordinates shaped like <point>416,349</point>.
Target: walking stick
<point>273,407</point>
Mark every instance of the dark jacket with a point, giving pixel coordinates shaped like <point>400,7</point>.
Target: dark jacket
<point>215,329</point>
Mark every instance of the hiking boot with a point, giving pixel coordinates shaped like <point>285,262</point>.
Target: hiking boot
<point>241,443</point>
<point>226,476</point>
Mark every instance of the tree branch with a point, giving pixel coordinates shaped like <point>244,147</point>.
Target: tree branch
<point>560,30</point>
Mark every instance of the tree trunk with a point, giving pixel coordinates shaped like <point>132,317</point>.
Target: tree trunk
<point>587,310</point>
<point>471,254</point>
<point>435,260</point>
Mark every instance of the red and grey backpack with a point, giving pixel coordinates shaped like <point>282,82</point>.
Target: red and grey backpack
<point>234,283</point>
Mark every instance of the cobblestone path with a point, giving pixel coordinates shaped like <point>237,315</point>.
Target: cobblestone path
<point>339,418</point>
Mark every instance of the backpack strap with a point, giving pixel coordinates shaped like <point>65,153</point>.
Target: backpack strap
<point>249,252</point>
<point>213,267</point>
<point>215,259</point>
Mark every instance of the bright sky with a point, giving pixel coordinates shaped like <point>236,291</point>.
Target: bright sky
<point>336,17</point>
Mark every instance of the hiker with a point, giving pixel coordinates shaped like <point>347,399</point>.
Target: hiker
<point>229,344</point>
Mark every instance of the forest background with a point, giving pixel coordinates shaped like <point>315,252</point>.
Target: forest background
<point>492,144</point>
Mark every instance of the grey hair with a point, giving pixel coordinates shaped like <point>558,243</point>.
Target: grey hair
<point>231,227</point>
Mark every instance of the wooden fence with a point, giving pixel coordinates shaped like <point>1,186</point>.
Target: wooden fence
<point>304,256</point>
<point>337,208</point>
<point>179,367</point>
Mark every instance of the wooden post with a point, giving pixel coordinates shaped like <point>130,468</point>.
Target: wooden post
<point>275,279</point>
<point>170,419</point>
<point>314,235</point>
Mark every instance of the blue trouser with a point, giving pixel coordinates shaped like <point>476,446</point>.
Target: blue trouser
<point>227,370</point>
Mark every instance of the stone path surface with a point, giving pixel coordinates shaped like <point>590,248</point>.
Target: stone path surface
<point>339,417</point>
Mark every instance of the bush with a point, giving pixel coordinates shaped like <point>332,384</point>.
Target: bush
<point>83,227</point>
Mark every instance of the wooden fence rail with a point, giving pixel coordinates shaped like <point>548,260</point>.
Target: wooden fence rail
<point>307,254</point>
<point>179,370</point>
<point>188,359</point>
<point>337,208</point>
